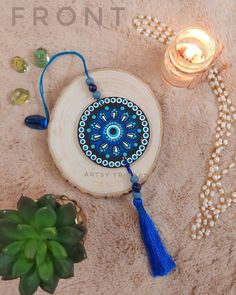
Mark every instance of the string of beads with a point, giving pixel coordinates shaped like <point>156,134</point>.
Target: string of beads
<point>209,212</point>
<point>93,88</point>
<point>154,28</point>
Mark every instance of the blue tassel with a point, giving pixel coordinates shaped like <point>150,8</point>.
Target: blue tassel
<point>160,261</point>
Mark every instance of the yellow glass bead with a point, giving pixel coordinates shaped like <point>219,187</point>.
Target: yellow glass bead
<point>20,96</point>
<point>19,64</point>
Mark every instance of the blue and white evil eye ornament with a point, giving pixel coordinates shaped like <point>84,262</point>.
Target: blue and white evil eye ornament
<point>112,129</point>
<point>113,132</point>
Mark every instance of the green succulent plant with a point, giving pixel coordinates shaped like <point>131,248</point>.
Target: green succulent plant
<point>39,243</point>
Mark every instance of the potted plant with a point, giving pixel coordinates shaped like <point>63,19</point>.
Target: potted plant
<point>40,242</point>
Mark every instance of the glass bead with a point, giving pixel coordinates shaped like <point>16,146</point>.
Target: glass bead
<point>134,178</point>
<point>20,96</point>
<point>137,195</point>
<point>19,64</point>
<point>41,57</point>
<point>36,122</point>
<point>136,187</point>
<point>92,87</point>
<point>89,81</point>
<point>96,94</point>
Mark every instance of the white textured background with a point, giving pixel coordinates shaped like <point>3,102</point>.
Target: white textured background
<point>116,261</point>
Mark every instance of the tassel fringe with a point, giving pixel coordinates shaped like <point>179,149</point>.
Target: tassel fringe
<point>160,261</point>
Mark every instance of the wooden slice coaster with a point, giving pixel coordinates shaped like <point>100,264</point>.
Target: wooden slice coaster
<point>65,144</point>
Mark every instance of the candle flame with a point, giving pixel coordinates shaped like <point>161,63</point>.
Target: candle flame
<point>191,52</point>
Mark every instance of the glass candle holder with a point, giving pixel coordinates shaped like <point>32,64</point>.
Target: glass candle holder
<point>190,54</point>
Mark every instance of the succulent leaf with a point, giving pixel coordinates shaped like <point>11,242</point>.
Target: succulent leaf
<point>31,248</point>
<point>47,200</point>
<point>41,254</point>
<point>10,215</point>
<point>49,233</point>
<point>8,277</point>
<point>76,252</point>
<point>45,217</point>
<point>81,228</point>
<point>6,263</point>
<point>66,215</point>
<point>64,268</point>
<point>21,266</point>
<point>8,232</point>
<point>27,208</point>
<point>46,270</point>
<point>57,250</point>
<point>50,286</point>
<point>26,231</point>
<point>29,283</point>
<point>14,248</point>
<point>40,243</point>
<point>69,235</point>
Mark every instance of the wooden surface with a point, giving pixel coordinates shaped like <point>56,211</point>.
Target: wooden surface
<point>63,141</point>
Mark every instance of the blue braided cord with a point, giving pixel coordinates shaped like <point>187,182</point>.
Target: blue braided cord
<point>41,86</point>
<point>127,165</point>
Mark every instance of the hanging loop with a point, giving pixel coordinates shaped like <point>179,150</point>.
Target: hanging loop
<point>40,122</point>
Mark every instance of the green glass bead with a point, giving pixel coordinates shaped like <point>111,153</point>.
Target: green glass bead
<point>41,57</point>
<point>20,96</point>
<point>19,64</point>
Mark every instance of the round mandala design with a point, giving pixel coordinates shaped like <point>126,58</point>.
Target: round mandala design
<point>113,128</point>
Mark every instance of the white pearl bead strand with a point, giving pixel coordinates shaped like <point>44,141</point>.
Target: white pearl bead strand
<point>209,212</point>
<point>152,27</point>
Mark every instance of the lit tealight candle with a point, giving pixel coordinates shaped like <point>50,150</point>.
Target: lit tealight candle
<point>190,53</point>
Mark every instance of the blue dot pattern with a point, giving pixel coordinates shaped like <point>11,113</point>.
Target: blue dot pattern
<point>112,128</point>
